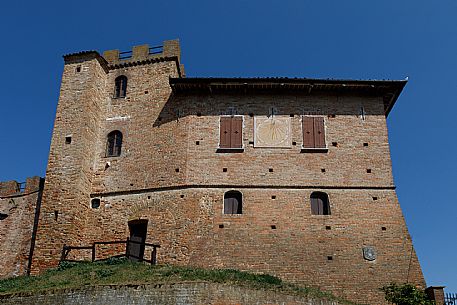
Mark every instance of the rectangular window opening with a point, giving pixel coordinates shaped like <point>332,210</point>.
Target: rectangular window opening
<point>67,140</point>
<point>369,170</point>
<point>273,227</point>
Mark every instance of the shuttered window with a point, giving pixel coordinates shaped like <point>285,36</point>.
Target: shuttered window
<point>313,132</point>
<point>233,203</point>
<point>319,203</point>
<point>231,132</point>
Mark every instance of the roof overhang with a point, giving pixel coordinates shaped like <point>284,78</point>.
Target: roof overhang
<point>389,90</point>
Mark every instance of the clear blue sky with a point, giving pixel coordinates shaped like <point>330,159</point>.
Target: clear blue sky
<point>389,39</point>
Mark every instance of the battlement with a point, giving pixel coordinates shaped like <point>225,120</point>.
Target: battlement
<point>12,187</point>
<point>169,48</point>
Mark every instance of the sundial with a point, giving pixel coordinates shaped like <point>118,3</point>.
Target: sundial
<point>273,132</point>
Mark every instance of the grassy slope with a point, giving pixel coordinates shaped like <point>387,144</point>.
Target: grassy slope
<point>124,272</point>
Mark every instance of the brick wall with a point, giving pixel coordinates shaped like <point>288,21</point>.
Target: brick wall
<point>18,208</point>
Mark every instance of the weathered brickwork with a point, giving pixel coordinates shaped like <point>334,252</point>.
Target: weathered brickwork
<point>171,173</point>
<point>18,209</point>
<point>198,293</point>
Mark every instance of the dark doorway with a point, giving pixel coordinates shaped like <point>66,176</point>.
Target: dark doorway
<point>138,230</point>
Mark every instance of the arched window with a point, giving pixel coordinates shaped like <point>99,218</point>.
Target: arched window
<point>114,144</point>
<point>120,86</point>
<point>233,202</point>
<point>320,204</point>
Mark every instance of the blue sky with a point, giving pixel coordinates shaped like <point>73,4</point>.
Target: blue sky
<point>389,39</point>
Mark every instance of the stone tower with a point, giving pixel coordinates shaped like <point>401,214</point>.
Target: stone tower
<point>290,177</point>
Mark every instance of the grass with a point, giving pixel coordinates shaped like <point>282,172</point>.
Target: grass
<point>125,272</point>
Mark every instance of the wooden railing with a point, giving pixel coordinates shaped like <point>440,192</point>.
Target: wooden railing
<point>153,261</point>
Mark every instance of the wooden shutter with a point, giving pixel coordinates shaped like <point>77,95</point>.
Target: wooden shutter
<point>314,206</point>
<point>227,206</point>
<point>236,134</point>
<point>225,134</point>
<point>319,132</point>
<point>308,132</point>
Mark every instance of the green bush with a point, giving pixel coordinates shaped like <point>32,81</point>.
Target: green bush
<point>405,294</point>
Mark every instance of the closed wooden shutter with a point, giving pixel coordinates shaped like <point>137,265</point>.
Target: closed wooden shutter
<point>236,132</point>
<point>308,132</point>
<point>319,132</point>
<point>225,134</point>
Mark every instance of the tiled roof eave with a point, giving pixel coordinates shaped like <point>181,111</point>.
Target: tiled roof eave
<point>388,89</point>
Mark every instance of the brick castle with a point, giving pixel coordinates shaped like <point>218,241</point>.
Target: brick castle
<point>290,177</point>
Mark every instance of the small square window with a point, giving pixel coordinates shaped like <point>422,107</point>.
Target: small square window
<point>146,92</point>
<point>383,228</point>
<point>323,170</point>
<point>221,226</point>
<point>94,203</point>
<point>369,170</point>
<point>177,170</point>
<point>67,140</point>
<point>335,144</point>
<point>328,227</point>
<point>182,196</point>
<point>365,144</point>
<point>78,69</point>
<point>294,143</point>
<point>273,227</point>
<point>330,258</point>
<point>197,142</point>
<point>270,170</point>
<point>273,197</point>
<point>224,169</point>
<point>375,198</point>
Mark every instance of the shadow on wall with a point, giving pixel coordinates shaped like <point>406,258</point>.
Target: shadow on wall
<point>265,104</point>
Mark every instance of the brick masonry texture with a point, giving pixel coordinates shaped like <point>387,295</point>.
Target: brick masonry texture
<point>164,177</point>
<point>16,229</point>
<point>198,293</point>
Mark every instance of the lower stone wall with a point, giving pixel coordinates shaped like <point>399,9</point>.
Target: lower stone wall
<point>17,210</point>
<point>177,293</point>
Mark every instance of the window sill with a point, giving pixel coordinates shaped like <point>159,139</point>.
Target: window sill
<point>230,150</point>
<point>314,150</point>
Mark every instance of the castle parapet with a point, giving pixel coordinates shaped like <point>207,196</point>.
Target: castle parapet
<point>9,188</point>
<point>170,48</point>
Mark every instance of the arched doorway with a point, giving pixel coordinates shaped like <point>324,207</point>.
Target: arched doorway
<point>138,231</point>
